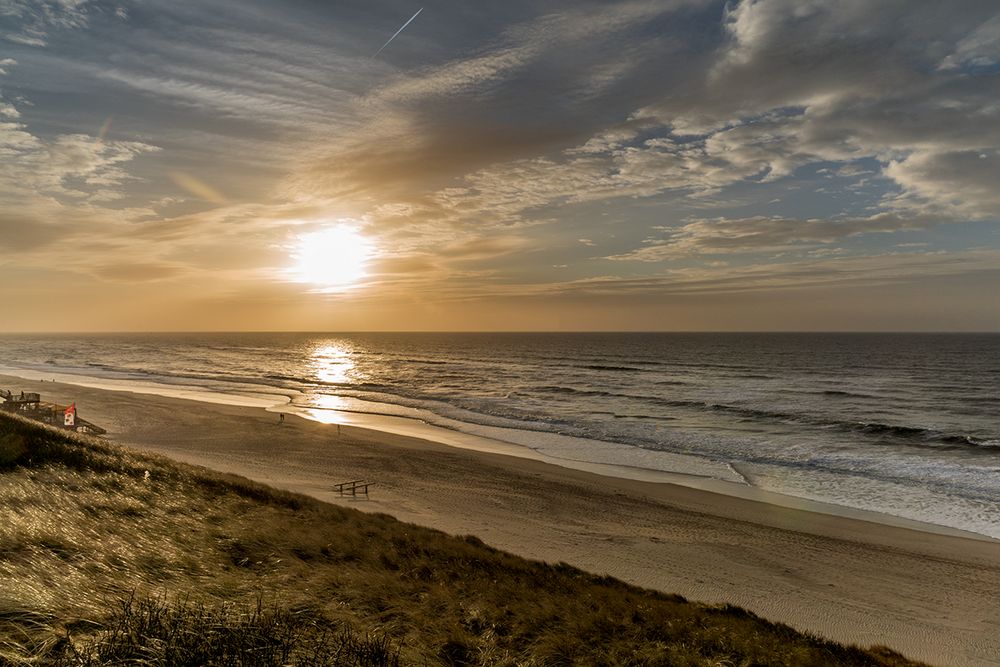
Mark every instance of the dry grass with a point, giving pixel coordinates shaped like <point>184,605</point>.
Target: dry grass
<point>102,564</point>
<point>153,631</point>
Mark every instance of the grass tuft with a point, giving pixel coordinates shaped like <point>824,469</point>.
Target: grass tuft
<point>153,631</point>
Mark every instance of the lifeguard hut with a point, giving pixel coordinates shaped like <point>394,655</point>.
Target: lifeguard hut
<point>30,404</point>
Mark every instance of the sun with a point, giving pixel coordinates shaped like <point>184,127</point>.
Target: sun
<point>333,259</point>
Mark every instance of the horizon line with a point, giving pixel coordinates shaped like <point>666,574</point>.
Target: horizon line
<point>500,331</point>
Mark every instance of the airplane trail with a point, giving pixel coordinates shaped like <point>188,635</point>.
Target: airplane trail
<point>398,31</point>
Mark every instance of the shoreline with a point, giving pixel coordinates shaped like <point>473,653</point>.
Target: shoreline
<point>414,427</point>
<point>934,597</point>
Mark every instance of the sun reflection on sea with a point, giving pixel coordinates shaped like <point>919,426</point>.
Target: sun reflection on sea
<point>333,363</point>
<point>327,409</point>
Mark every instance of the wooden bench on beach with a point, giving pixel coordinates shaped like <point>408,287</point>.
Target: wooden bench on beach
<point>354,487</point>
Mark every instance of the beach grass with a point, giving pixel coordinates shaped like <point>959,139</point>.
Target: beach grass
<point>112,556</point>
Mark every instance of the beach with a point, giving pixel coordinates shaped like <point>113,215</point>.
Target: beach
<point>934,596</point>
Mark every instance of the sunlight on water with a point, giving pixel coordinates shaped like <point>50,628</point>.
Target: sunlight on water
<point>326,409</point>
<point>333,363</point>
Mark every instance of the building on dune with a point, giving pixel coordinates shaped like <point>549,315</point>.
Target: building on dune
<point>31,405</point>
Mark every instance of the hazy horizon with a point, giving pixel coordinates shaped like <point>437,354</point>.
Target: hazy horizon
<point>859,332</point>
<point>681,165</point>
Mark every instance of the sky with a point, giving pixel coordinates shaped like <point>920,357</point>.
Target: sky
<point>524,165</point>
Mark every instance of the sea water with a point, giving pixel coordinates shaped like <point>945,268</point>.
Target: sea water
<point>904,424</point>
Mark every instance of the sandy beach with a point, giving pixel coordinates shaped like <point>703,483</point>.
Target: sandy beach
<point>932,596</point>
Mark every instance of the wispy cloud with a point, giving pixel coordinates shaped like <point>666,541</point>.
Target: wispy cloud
<point>34,19</point>
<point>725,236</point>
<point>865,271</point>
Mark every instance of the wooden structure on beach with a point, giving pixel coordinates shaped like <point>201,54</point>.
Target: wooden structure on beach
<point>19,402</point>
<point>354,487</point>
<point>31,405</point>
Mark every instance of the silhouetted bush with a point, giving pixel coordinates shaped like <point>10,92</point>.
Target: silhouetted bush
<point>12,449</point>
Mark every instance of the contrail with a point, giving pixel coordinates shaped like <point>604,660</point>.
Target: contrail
<point>398,31</point>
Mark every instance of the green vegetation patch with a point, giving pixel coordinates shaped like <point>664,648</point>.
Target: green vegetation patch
<point>110,556</point>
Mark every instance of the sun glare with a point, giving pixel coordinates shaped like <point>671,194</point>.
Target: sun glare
<point>334,258</point>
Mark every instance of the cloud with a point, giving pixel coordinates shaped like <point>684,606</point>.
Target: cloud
<point>72,165</point>
<point>557,131</point>
<point>20,232</point>
<point>35,18</point>
<point>722,236</point>
<point>56,196</point>
<point>233,101</point>
<point>523,45</point>
<point>540,86</point>
<point>980,48</point>
<point>869,271</point>
<point>477,249</point>
<point>15,140</point>
<point>957,184</point>
<point>7,109</point>
<point>793,84</point>
<point>131,272</point>
<point>764,150</point>
<point>863,76</point>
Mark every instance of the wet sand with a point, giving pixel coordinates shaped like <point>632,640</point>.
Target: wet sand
<point>932,596</point>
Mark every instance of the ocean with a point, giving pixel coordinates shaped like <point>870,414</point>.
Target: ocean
<point>904,424</point>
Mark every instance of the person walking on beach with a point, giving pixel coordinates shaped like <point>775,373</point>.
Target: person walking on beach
<point>281,417</point>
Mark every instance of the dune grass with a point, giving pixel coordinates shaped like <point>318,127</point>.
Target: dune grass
<point>109,556</point>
